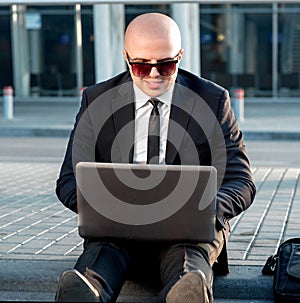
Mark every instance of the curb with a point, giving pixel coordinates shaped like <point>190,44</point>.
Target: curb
<point>244,282</point>
<point>34,132</point>
<point>271,135</point>
<point>37,280</point>
<point>65,132</point>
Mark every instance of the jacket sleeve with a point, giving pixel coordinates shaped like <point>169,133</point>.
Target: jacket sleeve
<point>237,190</point>
<point>66,183</point>
<point>79,138</point>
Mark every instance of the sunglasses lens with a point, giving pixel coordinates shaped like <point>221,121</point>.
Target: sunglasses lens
<point>141,70</point>
<point>165,69</point>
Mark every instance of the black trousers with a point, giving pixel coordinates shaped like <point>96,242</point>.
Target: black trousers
<point>113,263</point>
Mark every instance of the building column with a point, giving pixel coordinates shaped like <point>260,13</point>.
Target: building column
<point>187,18</point>
<point>251,45</point>
<point>109,28</point>
<point>275,50</point>
<point>237,40</point>
<point>78,48</point>
<point>20,51</point>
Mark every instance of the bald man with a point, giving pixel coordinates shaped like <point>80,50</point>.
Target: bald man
<point>112,126</point>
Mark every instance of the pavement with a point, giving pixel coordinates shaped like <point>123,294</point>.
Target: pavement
<point>39,237</point>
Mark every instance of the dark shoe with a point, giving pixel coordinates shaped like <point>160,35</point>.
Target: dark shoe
<point>74,287</point>
<point>190,288</point>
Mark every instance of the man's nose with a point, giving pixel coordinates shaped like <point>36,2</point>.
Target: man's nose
<point>154,72</point>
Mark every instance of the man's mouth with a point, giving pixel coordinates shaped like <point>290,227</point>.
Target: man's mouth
<point>154,85</point>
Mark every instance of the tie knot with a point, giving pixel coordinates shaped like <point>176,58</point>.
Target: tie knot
<point>154,102</point>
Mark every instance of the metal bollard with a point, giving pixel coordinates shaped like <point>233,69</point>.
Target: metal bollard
<point>8,110</point>
<point>238,103</point>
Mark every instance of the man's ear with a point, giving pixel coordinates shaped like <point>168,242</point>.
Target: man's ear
<point>125,54</point>
<point>181,52</point>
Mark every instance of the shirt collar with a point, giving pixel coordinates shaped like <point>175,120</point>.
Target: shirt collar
<point>141,98</point>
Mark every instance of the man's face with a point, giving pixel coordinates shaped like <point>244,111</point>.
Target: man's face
<point>160,51</point>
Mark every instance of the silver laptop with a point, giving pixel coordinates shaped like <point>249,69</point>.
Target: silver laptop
<point>146,202</point>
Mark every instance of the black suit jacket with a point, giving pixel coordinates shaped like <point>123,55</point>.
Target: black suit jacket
<point>202,130</point>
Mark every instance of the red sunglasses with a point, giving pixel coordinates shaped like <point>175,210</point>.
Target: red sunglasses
<point>143,69</point>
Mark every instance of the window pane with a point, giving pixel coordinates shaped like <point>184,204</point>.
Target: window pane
<point>52,51</point>
<point>88,46</point>
<point>5,49</point>
<point>236,47</point>
<point>289,54</point>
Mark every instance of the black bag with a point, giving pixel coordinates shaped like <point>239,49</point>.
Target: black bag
<point>285,266</point>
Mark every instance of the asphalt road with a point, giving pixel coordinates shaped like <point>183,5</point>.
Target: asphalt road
<point>274,153</point>
<point>39,149</point>
<point>33,149</point>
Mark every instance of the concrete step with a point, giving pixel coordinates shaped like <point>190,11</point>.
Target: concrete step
<point>13,296</point>
<point>26,280</point>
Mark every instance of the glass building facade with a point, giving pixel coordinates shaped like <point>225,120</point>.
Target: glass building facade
<point>256,47</point>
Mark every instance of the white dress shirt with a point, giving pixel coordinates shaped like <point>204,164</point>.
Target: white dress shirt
<point>142,113</point>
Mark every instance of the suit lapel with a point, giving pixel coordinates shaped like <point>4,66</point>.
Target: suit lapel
<point>181,109</point>
<point>123,117</point>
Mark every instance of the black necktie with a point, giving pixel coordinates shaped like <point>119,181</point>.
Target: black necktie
<point>153,133</point>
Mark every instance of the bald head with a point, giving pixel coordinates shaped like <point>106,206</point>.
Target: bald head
<point>152,29</point>
<point>152,37</point>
